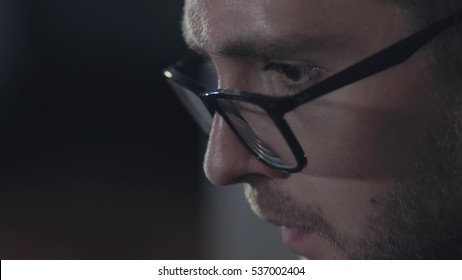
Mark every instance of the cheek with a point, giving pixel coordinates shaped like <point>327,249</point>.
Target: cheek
<point>367,130</point>
<point>349,206</point>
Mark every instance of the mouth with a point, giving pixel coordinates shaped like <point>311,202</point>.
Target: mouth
<point>294,236</point>
<point>292,233</point>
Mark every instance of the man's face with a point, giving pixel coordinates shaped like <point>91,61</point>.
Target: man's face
<point>367,189</point>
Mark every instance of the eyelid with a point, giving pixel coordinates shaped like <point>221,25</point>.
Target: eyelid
<point>298,63</point>
<point>276,65</point>
<point>310,65</point>
<point>279,76</point>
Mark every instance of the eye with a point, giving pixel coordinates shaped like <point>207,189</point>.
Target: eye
<point>291,76</point>
<point>294,73</point>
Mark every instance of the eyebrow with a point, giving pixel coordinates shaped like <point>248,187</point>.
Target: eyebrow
<point>283,46</point>
<point>278,47</point>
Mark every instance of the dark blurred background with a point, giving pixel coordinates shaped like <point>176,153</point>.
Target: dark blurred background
<point>97,157</point>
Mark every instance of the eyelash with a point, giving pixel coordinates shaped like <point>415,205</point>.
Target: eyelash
<point>293,77</point>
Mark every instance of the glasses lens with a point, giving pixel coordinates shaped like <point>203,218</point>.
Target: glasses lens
<point>195,106</point>
<point>259,132</point>
<point>187,79</point>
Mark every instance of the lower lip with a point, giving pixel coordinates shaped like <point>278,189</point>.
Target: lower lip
<point>293,235</point>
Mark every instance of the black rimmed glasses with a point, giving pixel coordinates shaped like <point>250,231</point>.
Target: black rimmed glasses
<point>259,120</point>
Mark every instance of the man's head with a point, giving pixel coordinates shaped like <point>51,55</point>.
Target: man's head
<point>383,178</point>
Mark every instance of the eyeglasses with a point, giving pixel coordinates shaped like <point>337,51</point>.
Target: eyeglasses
<point>259,120</point>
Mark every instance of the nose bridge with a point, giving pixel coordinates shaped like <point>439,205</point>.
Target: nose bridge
<point>236,74</point>
<point>225,155</point>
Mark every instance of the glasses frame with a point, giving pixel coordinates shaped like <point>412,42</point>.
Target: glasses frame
<point>277,107</point>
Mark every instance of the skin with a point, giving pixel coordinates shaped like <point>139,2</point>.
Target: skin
<point>367,143</point>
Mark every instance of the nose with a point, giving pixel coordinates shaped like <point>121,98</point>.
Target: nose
<point>228,161</point>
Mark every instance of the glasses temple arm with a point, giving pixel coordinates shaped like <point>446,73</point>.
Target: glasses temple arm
<point>387,58</point>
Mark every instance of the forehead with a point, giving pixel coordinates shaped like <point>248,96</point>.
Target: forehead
<point>208,24</point>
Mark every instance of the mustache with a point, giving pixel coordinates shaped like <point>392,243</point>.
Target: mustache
<point>272,203</point>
